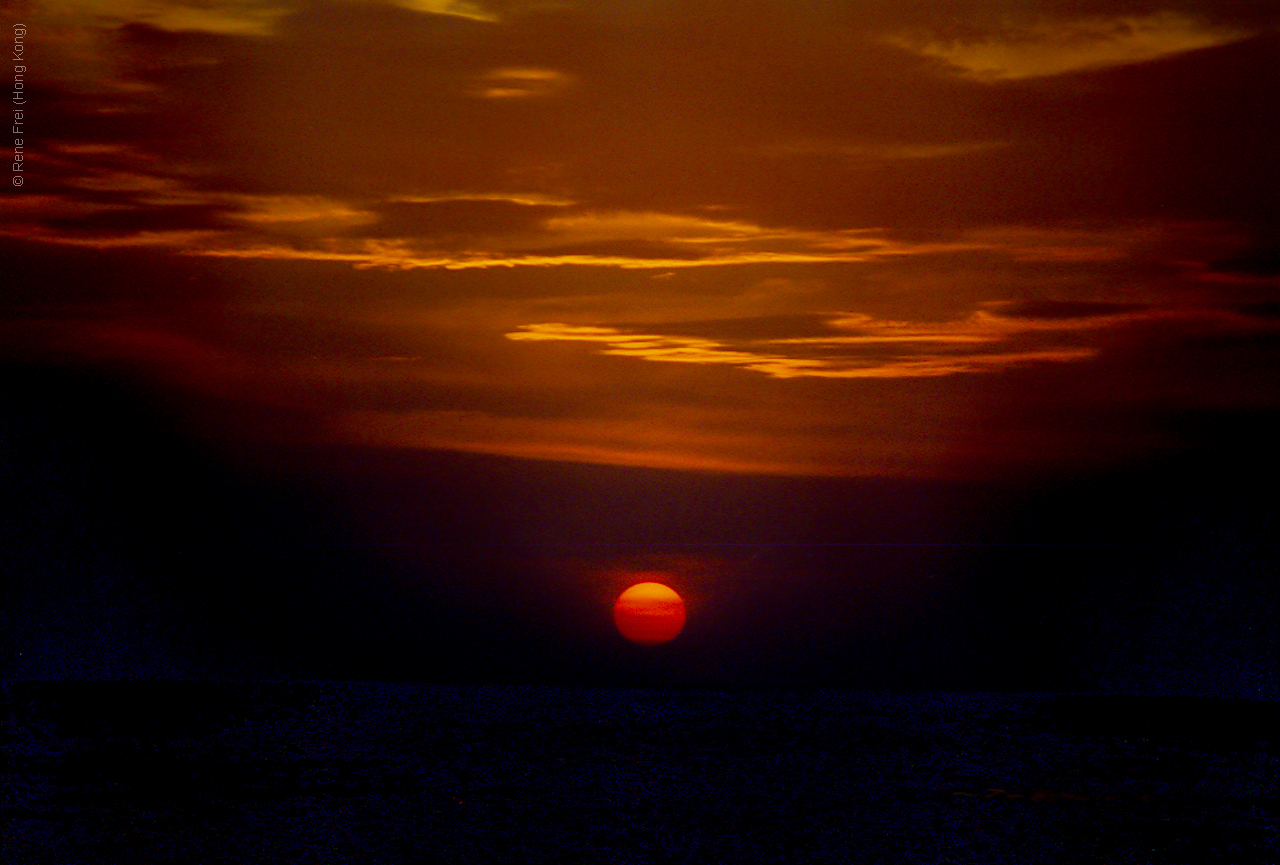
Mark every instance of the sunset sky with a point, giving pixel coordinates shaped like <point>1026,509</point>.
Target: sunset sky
<point>505,300</point>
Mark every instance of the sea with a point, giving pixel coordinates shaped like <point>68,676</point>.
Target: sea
<point>245,772</point>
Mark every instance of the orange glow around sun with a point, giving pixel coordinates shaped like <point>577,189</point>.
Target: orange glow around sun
<point>649,613</point>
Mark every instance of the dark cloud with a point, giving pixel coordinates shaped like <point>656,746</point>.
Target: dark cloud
<point>131,221</point>
<point>456,218</point>
<point>1266,311</point>
<point>1052,309</point>
<point>761,327</point>
<point>1261,261</point>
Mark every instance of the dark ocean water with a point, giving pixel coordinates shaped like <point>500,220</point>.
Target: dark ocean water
<point>249,772</point>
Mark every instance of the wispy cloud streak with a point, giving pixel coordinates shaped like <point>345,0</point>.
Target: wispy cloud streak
<point>880,349</point>
<point>1057,47</point>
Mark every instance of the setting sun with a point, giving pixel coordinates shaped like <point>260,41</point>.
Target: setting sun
<point>649,613</point>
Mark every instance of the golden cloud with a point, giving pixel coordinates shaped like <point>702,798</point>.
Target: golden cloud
<point>765,356</point>
<point>399,255</point>
<point>669,241</point>
<point>532,199</point>
<point>299,214</point>
<point>1057,47</point>
<point>457,8</point>
<point>520,83</point>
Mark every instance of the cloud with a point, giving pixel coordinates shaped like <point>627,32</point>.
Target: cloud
<point>859,346</point>
<point>663,439</point>
<point>105,205</point>
<point>224,17</point>
<point>1065,243</point>
<point>160,239</point>
<point>1260,262</point>
<point>533,199</point>
<point>876,152</point>
<point>299,214</point>
<point>1002,335</point>
<point>256,18</point>
<point>459,8</point>
<point>520,83</point>
<point>458,221</point>
<point>1056,47</point>
<point>630,240</point>
<point>454,229</point>
<point>400,256</point>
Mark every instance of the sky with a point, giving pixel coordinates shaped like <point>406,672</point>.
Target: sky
<point>917,344</point>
